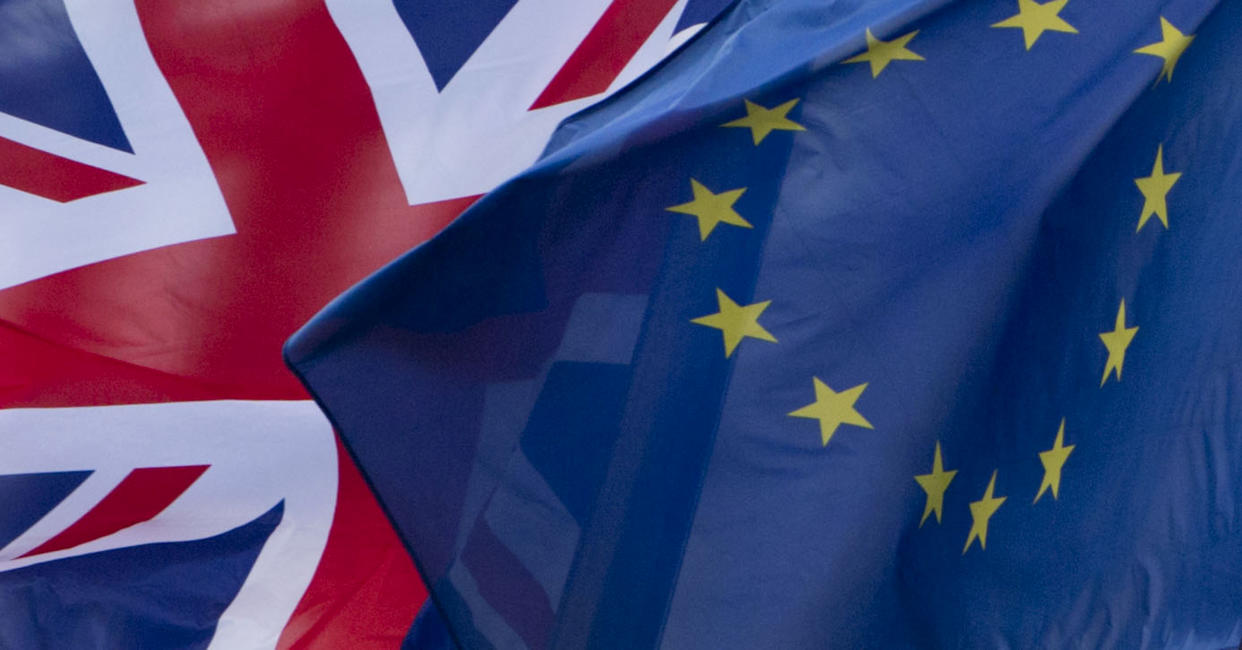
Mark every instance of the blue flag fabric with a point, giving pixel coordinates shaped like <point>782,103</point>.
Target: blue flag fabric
<point>896,323</point>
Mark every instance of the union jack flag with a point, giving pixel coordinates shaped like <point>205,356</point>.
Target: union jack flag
<point>183,185</point>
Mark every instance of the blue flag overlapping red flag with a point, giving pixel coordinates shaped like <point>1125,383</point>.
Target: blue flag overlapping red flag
<point>887,324</point>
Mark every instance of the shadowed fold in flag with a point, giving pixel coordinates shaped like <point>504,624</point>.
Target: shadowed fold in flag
<point>900,323</point>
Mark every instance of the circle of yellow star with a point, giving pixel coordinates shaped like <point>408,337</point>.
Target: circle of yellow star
<point>1053,460</point>
<point>1117,341</point>
<point>712,209</point>
<point>1034,19</point>
<point>980,512</point>
<point>833,409</point>
<point>1170,47</point>
<point>934,485</point>
<point>881,53</point>
<point>762,121</point>
<point>736,322</point>
<point>1155,189</point>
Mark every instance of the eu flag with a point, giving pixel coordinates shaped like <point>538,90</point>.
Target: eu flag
<point>889,323</point>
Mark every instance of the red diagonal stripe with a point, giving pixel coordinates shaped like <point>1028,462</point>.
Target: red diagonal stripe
<point>614,40</point>
<point>141,495</point>
<point>53,177</point>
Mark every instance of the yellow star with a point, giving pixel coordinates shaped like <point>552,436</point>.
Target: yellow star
<point>934,485</point>
<point>762,121</point>
<point>833,409</point>
<point>712,209</point>
<point>880,53</point>
<point>1155,188</point>
<point>1053,460</point>
<point>1170,47</point>
<point>1117,341</point>
<point>1034,19</point>
<point>736,322</point>
<point>980,512</point>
